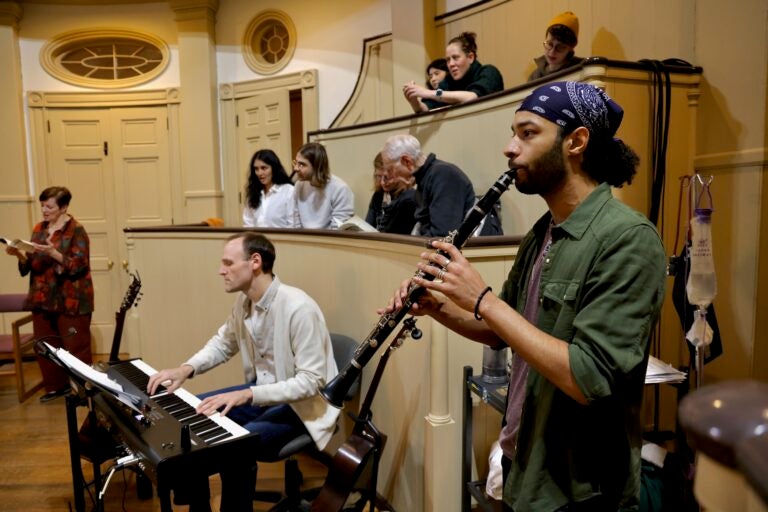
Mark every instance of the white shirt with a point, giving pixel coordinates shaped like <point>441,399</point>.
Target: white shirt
<point>302,351</point>
<point>274,211</point>
<point>323,208</point>
<point>262,329</point>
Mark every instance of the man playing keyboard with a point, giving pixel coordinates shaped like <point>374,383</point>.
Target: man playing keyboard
<point>287,357</point>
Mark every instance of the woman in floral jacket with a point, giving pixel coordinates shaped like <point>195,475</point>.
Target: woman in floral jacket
<point>60,286</point>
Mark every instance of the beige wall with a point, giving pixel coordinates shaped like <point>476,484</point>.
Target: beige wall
<point>329,38</point>
<point>15,199</point>
<point>732,146</point>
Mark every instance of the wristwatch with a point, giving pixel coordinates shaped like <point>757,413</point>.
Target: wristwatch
<point>438,93</point>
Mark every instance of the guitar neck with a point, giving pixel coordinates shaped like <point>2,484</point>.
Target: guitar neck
<point>117,338</point>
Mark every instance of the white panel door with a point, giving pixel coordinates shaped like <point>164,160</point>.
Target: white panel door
<point>263,122</point>
<point>78,159</point>
<point>140,161</point>
<point>116,163</point>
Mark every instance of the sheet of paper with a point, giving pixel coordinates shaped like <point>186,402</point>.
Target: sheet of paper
<point>658,372</point>
<point>85,370</point>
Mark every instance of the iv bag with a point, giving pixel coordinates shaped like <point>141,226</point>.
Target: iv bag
<point>701,287</point>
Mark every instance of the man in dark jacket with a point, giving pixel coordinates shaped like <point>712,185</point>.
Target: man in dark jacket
<point>444,192</point>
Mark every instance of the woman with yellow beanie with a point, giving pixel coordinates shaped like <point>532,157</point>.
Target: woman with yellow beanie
<point>559,41</point>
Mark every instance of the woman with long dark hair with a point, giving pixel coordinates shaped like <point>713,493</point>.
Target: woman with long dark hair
<point>269,194</point>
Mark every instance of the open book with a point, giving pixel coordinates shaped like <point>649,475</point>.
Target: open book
<point>22,245</point>
<point>356,223</point>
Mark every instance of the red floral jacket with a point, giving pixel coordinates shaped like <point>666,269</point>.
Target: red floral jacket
<point>60,287</point>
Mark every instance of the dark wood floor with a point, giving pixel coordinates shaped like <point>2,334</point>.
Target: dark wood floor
<point>35,473</point>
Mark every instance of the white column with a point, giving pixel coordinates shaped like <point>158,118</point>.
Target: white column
<point>441,480</point>
<point>198,113</point>
<point>413,41</point>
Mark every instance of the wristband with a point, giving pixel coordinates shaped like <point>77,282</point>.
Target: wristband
<point>479,300</point>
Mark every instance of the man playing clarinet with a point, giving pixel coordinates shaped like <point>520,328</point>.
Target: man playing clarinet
<point>577,308</point>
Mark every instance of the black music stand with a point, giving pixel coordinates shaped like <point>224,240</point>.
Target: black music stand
<point>86,387</point>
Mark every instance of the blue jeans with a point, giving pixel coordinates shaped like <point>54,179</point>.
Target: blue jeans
<point>276,424</point>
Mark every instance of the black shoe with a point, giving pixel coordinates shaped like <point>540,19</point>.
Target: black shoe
<point>53,395</point>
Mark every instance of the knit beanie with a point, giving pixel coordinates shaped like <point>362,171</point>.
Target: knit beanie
<point>567,19</point>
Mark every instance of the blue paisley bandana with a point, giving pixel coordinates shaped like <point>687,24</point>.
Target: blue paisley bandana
<point>574,104</point>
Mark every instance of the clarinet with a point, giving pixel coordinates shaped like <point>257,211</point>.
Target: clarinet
<point>335,391</point>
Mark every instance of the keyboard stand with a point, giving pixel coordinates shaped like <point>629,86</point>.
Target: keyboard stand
<point>79,484</point>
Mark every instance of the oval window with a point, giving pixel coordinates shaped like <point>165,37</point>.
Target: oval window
<point>105,58</point>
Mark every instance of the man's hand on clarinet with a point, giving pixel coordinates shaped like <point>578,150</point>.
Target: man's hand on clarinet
<point>455,278</point>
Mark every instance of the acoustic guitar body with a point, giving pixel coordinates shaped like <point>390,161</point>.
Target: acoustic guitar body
<point>351,461</point>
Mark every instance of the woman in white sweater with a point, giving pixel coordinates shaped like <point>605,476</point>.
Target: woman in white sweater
<point>269,194</point>
<point>323,201</point>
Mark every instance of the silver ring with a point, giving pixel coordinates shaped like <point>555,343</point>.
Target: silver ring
<point>440,274</point>
<point>447,262</point>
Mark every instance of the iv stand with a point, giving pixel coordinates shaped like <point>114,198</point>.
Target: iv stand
<point>701,348</point>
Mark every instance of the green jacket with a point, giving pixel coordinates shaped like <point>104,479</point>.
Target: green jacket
<point>479,79</point>
<point>602,286</point>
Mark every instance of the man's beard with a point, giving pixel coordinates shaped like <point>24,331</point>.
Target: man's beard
<point>546,173</point>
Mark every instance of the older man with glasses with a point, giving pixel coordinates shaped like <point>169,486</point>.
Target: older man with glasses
<point>393,203</point>
<point>444,192</point>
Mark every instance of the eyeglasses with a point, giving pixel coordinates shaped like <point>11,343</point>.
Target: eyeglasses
<point>380,177</point>
<point>298,163</point>
<point>556,47</point>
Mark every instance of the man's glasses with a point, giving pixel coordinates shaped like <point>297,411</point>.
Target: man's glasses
<point>298,163</point>
<point>557,47</point>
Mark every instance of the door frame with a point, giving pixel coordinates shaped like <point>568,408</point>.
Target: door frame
<point>304,81</point>
<point>39,101</point>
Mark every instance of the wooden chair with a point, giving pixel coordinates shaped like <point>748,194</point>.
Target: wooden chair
<point>16,345</point>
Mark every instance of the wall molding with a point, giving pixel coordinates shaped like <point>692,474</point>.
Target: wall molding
<point>41,99</point>
<point>306,79</point>
<point>466,11</point>
<point>16,199</point>
<point>756,157</point>
<point>197,194</point>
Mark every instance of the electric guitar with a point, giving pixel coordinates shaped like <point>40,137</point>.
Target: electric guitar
<point>131,298</point>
